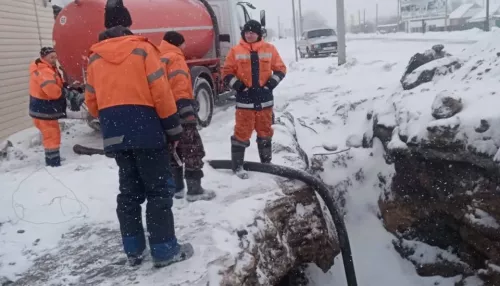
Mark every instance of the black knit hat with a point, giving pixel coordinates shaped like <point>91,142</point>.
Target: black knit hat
<point>46,50</point>
<point>252,26</point>
<point>116,14</point>
<point>174,38</point>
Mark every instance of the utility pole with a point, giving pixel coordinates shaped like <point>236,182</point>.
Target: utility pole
<point>279,28</point>
<point>341,33</point>
<point>376,17</point>
<point>399,15</point>
<point>487,21</point>
<point>446,16</point>
<point>295,31</point>
<point>301,20</point>
<point>359,19</point>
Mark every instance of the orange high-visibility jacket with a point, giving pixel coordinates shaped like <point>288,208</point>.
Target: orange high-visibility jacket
<point>127,89</point>
<point>46,92</point>
<point>179,77</point>
<point>257,67</point>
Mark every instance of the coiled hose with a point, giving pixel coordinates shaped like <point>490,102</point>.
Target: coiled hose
<point>319,187</point>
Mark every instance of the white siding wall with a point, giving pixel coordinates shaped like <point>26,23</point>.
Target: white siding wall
<point>25,26</point>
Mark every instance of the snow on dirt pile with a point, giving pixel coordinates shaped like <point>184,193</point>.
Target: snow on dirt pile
<point>459,109</point>
<point>335,108</point>
<point>443,141</point>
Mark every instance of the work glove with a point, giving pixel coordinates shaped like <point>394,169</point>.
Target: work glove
<point>239,86</point>
<point>271,83</point>
<point>75,99</point>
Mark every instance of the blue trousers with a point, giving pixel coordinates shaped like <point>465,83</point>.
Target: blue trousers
<point>145,175</point>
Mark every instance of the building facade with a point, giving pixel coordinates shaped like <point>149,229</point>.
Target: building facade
<point>25,27</point>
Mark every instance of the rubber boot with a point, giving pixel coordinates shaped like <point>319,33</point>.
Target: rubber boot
<point>177,173</point>
<point>52,158</point>
<point>237,158</point>
<point>186,251</point>
<point>265,150</point>
<point>195,192</point>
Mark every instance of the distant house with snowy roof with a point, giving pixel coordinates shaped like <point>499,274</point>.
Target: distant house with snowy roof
<point>478,19</point>
<point>459,17</point>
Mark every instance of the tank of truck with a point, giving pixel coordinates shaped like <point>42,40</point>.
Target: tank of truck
<point>78,25</point>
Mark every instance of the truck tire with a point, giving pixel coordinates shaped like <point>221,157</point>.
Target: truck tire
<point>204,97</point>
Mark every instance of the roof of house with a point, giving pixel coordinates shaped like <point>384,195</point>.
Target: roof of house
<point>481,15</point>
<point>465,11</point>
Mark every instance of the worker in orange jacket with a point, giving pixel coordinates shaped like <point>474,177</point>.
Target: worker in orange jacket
<point>127,89</point>
<point>47,103</point>
<point>253,68</point>
<point>190,149</point>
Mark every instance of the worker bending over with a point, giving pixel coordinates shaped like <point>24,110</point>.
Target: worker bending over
<point>47,103</point>
<point>253,68</point>
<point>127,89</point>
<point>190,150</point>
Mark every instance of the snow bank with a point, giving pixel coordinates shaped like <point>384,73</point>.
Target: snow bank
<point>474,86</point>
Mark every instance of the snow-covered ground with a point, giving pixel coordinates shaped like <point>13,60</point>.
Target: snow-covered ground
<point>460,37</point>
<point>38,206</point>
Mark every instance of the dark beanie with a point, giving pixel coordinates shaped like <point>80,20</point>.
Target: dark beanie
<point>46,50</point>
<point>252,26</point>
<point>115,14</point>
<point>174,38</point>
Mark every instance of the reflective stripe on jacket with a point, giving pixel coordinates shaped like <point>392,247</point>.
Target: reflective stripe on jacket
<point>179,77</point>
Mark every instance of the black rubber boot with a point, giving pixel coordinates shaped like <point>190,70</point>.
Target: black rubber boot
<point>237,158</point>
<point>195,192</point>
<point>177,174</point>
<point>265,150</point>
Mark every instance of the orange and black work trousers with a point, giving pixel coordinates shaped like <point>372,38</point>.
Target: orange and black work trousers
<point>248,120</point>
<point>51,139</point>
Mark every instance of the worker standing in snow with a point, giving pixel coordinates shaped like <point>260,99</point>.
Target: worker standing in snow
<point>127,89</point>
<point>190,149</point>
<point>47,103</point>
<point>253,68</point>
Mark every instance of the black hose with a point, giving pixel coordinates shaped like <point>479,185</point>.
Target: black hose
<point>322,190</point>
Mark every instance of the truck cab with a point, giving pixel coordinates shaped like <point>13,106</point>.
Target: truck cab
<point>232,16</point>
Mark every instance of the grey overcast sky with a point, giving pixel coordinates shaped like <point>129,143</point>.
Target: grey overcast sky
<point>327,8</point>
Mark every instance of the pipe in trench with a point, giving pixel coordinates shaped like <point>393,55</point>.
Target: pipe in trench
<point>320,188</point>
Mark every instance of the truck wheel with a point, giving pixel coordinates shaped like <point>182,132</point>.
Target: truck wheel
<point>204,96</point>
<point>309,53</point>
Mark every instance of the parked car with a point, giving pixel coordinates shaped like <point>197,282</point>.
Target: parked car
<point>318,42</point>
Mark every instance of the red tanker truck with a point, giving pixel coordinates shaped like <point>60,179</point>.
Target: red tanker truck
<point>210,28</point>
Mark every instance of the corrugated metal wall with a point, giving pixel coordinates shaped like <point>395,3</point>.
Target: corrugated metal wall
<point>25,26</point>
